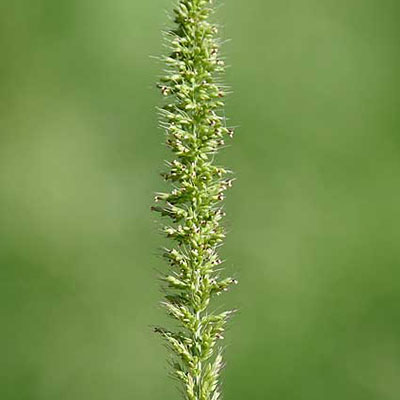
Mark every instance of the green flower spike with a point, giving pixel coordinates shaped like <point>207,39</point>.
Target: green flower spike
<point>195,130</point>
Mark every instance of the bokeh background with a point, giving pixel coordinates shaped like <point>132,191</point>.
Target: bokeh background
<point>313,220</point>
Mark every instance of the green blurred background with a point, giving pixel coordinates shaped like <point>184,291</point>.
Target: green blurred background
<point>313,219</point>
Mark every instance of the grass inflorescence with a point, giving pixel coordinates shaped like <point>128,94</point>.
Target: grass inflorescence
<point>195,130</point>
